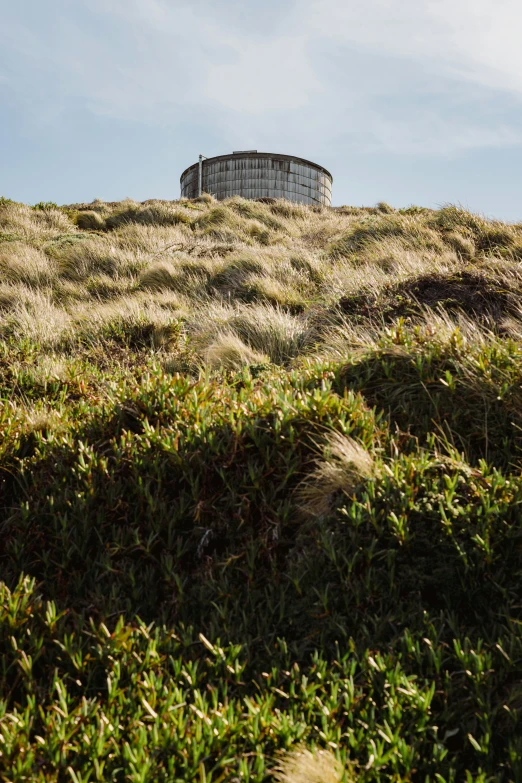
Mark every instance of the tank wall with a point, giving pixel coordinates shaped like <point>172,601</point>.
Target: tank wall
<point>260,177</point>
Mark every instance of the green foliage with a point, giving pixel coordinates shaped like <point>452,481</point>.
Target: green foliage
<point>45,205</point>
<point>176,706</point>
<point>386,627</point>
<point>6,236</point>
<point>195,576</point>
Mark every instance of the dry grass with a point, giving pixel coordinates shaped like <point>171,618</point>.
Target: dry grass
<point>125,315</point>
<point>43,420</point>
<point>97,255</point>
<point>231,353</point>
<point>344,465</point>
<point>34,317</point>
<point>304,766</point>
<point>21,263</point>
<point>273,330</point>
<point>90,220</point>
<point>22,222</point>
<point>252,281</point>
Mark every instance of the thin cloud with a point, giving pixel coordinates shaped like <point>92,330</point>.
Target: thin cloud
<point>472,40</point>
<point>332,73</point>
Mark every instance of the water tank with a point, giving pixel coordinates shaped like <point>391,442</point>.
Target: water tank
<point>253,174</point>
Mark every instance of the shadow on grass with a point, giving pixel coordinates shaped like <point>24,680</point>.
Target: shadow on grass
<point>175,516</point>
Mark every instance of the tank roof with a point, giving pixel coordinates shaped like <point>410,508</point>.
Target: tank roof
<point>254,154</point>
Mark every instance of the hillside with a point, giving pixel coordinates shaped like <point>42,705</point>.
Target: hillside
<point>260,488</point>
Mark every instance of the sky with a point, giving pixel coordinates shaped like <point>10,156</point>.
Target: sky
<point>403,101</point>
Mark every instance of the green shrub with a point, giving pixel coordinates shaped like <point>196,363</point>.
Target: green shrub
<point>45,205</point>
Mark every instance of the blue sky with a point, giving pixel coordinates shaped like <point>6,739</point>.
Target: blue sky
<point>406,101</point>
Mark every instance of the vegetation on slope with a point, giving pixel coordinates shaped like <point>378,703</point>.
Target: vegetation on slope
<point>260,491</point>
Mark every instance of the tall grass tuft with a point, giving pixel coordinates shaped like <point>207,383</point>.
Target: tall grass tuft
<point>90,221</point>
<point>273,331</point>
<point>22,263</point>
<point>304,766</point>
<point>345,464</point>
<point>231,353</point>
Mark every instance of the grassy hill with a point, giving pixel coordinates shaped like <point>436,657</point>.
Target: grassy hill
<point>260,490</point>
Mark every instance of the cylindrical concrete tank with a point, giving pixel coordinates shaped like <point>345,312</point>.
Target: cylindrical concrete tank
<point>254,174</point>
